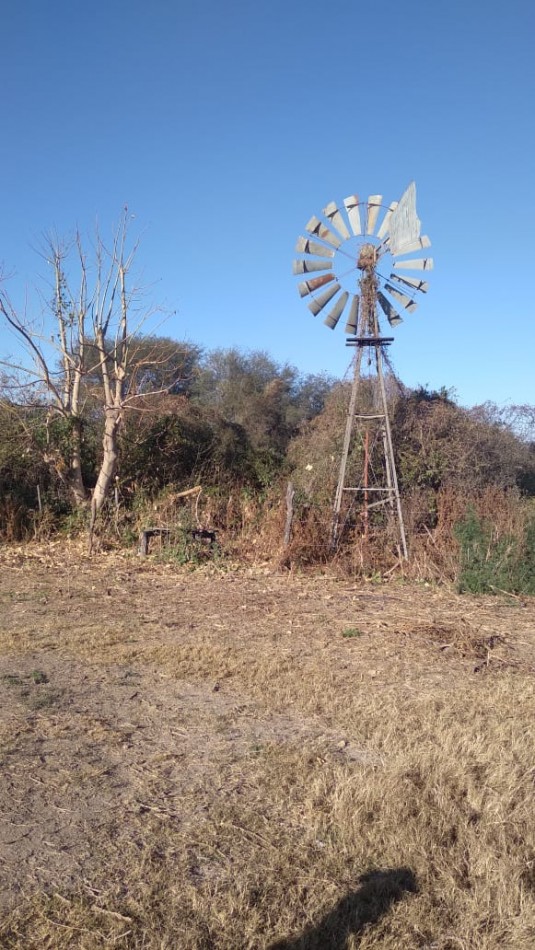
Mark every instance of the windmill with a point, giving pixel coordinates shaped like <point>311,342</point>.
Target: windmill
<point>344,259</point>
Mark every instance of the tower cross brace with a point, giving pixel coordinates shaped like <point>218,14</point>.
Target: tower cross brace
<point>385,491</point>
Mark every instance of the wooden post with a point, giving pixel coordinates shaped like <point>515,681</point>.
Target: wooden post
<point>290,492</point>
<point>366,464</point>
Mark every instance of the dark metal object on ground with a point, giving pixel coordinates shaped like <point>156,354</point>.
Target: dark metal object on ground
<point>145,536</point>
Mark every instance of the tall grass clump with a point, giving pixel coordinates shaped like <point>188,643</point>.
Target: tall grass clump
<point>489,563</point>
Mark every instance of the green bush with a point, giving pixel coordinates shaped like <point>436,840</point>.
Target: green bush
<point>489,564</point>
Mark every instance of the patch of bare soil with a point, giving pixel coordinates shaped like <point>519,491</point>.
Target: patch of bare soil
<point>88,752</point>
<point>246,759</point>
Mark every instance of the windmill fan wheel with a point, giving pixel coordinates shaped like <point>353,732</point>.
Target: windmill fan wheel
<point>362,236</point>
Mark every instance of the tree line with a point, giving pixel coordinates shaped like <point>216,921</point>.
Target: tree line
<point>96,408</point>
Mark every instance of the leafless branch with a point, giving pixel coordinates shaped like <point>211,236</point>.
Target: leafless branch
<point>13,320</point>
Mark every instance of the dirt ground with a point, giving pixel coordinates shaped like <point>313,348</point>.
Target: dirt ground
<point>166,733</point>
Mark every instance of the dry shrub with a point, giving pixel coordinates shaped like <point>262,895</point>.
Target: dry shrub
<point>250,526</point>
<point>15,520</point>
<point>435,550</point>
<point>310,537</point>
<point>430,522</point>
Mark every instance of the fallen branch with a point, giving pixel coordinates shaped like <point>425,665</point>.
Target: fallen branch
<point>111,913</point>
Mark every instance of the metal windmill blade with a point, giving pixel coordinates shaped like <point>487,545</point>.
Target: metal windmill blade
<point>353,316</point>
<point>421,263</point>
<point>413,282</point>
<point>305,246</point>
<point>408,303</point>
<point>305,267</point>
<point>351,205</point>
<point>316,305</point>
<point>417,245</point>
<point>390,313</point>
<point>332,212</point>
<point>383,230</point>
<point>374,203</point>
<point>317,227</point>
<point>309,286</point>
<point>334,315</point>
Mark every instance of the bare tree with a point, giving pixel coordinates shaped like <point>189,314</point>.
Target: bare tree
<point>92,349</point>
<point>51,380</point>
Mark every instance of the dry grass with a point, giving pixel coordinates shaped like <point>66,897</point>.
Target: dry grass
<point>218,766</point>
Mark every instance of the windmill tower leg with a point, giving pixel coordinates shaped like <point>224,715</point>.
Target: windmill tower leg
<point>386,493</point>
<point>390,464</point>
<point>350,424</point>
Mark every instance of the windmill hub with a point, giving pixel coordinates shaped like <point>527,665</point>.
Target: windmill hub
<point>367,257</point>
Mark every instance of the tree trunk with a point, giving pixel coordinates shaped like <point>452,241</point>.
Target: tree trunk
<point>75,473</point>
<point>107,468</point>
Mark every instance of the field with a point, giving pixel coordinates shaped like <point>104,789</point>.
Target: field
<point>250,759</point>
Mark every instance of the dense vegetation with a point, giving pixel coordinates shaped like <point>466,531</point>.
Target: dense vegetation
<point>241,425</point>
<point>223,418</point>
<point>105,426</point>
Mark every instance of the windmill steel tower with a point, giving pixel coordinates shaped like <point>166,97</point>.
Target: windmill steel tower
<point>351,252</point>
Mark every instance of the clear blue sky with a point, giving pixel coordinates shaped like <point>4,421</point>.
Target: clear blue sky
<point>225,126</point>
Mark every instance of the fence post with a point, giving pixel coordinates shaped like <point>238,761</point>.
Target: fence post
<point>290,492</point>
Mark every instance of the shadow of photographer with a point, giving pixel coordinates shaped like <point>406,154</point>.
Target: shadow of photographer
<point>377,892</point>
